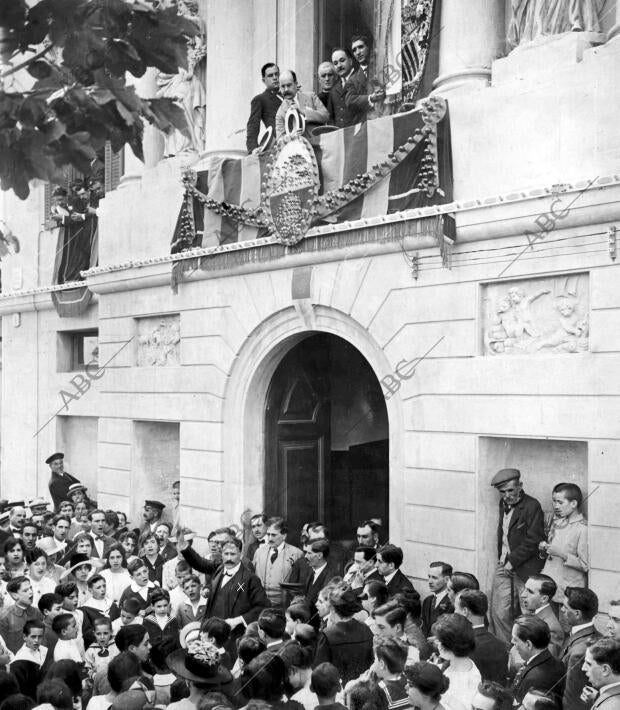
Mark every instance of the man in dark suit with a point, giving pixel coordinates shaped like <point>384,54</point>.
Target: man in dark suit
<point>602,667</point>
<point>60,480</point>
<point>530,637</point>
<point>264,107</point>
<point>536,599</point>
<point>235,594</point>
<point>258,523</point>
<point>389,560</point>
<point>340,114</point>
<point>519,531</point>
<point>327,76</point>
<point>363,93</point>
<point>101,542</point>
<point>438,602</point>
<point>578,611</point>
<point>490,654</point>
<point>318,572</point>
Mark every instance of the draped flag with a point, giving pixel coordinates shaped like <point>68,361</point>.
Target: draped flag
<point>422,178</point>
<point>77,251</point>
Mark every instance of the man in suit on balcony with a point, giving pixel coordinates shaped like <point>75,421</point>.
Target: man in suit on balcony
<point>264,106</point>
<point>341,114</point>
<point>308,105</point>
<point>363,92</point>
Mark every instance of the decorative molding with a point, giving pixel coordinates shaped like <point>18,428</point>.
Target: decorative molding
<point>484,218</point>
<point>159,338</point>
<point>537,316</point>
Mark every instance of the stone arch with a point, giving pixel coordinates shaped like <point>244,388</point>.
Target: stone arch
<point>243,457</point>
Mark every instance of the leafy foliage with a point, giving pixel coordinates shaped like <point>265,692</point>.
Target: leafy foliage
<point>77,54</point>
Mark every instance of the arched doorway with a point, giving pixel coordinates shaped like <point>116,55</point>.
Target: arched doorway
<point>326,439</point>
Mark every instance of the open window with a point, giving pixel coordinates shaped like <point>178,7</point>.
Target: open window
<point>338,20</point>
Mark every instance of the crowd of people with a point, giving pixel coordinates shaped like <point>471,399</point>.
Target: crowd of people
<point>99,614</point>
<point>348,94</point>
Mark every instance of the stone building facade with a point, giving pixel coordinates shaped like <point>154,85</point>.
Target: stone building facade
<point>507,358</point>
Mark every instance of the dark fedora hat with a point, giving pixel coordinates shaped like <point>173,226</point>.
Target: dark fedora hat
<point>199,662</point>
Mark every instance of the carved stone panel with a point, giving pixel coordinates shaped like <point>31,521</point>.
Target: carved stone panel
<point>158,341</point>
<point>533,316</point>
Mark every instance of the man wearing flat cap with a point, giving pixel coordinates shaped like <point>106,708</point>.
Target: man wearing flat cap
<point>520,529</point>
<point>60,480</point>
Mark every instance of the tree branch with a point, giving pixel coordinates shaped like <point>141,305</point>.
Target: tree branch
<point>38,55</point>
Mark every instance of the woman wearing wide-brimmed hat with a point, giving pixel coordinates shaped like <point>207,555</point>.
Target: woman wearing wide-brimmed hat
<point>200,665</point>
<point>81,568</point>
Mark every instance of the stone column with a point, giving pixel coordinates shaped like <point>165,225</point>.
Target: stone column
<point>472,36</point>
<point>230,85</point>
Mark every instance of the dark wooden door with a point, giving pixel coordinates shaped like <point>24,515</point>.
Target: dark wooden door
<point>298,437</point>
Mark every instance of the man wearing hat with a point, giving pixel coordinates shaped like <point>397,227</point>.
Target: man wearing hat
<point>520,529</point>
<point>152,516</point>
<point>60,480</point>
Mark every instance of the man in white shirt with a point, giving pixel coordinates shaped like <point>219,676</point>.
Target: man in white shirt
<point>101,542</point>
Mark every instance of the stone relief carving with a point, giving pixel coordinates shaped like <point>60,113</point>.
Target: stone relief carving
<point>158,341</point>
<point>537,316</point>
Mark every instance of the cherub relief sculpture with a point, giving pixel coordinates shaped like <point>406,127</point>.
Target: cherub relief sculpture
<point>558,325</point>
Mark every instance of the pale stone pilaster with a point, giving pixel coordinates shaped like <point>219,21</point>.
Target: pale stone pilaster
<point>472,36</point>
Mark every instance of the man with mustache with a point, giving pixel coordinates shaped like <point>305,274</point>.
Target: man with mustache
<point>308,105</point>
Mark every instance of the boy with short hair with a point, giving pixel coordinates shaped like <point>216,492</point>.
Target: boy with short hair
<point>70,601</point>
<point>50,605</point>
<point>194,607</point>
<point>174,575</point>
<point>99,654</point>
<point>32,649</point>
<point>14,618</point>
<point>162,627</point>
<point>65,626</point>
<point>325,682</point>
<point>130,614</point>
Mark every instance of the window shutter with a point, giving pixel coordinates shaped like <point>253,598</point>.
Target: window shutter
<point>113,167</point>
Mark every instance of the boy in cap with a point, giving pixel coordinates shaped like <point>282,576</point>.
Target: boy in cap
<point>520,530</point>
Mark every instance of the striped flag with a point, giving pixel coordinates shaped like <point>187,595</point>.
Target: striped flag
<point>341,156</point>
